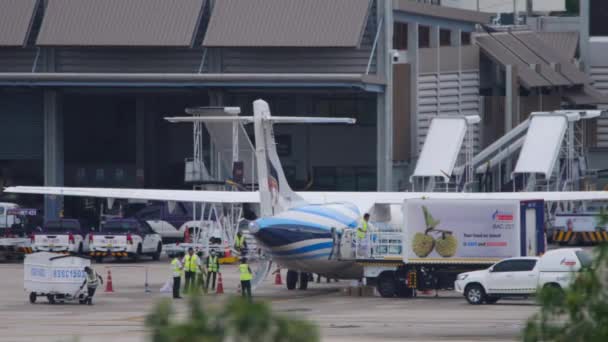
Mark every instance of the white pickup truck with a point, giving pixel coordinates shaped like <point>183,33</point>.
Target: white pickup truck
<point>64,236</point>
<point>523,276</point>
<point>125,238</point>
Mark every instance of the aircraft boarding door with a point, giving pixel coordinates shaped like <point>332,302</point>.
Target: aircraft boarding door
<point>343,242</point>
<point>532,228</point>
<point>531,231</point>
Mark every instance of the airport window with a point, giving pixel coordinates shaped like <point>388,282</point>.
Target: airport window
<point>344,178</point>
<point>424,36</point>
<point>598,12</point>
<point>400,36</point>
<point>465,38</point>
<point>1,210</point>
<point>445,37</point>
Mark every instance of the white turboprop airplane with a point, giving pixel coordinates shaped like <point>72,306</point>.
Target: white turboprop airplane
<point>295,227</point>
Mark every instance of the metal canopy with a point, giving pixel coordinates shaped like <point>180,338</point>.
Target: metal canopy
<point>542,144</point>
<point>358,81</point>
<point>441,147</point>
<point>441,12</point>
<point>287,23</point>
<point>16,18</point>
<point>120,23</point>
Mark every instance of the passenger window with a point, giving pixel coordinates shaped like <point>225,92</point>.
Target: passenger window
<point>505,266</point>
<point>524,265</point>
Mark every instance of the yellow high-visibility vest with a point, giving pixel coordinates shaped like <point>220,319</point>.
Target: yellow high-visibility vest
<point>213,265</point>
<point>240,241</point>
<point>190,263</point>
<point>245,274</point>
<point>177,268</point>
<point>361,231</point>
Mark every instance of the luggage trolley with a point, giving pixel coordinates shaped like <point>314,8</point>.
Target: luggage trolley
<point>58,277</point>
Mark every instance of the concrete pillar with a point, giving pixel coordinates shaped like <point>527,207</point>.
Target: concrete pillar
<point>384,109</point>
<point>434,32</point>
<point>511,104</point>
<point>412,57</point>
<point>140,141</point>
<point>53,151</point>
<point>584,34</point>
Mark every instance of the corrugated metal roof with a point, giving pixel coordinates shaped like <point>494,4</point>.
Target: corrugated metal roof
<point>120,22</point>
<point>15,21</point>
<point>564,43</point>
<point>287,23</point>
<point>442,12</point>
<point>533,41</point>
<point>502,55</point>
<point>532,57</point>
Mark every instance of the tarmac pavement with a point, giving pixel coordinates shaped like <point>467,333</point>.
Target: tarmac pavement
<point>119,316</point>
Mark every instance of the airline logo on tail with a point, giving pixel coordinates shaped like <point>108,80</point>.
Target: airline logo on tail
<point>273,184</point>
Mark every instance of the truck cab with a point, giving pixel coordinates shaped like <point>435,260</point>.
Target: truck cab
<point>522,276</point>
<point>64,235</point>
<point>125,238</point>
<point>7,220</point>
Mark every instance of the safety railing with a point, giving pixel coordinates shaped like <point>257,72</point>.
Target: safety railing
<point>382,242</point>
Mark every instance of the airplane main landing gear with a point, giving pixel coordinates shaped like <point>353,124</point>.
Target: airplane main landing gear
<point>297,279</point>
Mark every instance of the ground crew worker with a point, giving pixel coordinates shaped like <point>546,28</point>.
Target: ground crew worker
<point>91,280</point>
<point>240,244</point>
<point>213,267</point>
<point>246,276</point>
<point>177,267</point>
<point>362,233</point>
<point>192,265</point>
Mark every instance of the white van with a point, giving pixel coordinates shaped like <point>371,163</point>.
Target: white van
<point>522,277</point>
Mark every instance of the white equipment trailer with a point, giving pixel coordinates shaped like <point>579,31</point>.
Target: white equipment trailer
<point>57,277</point>
<point>438,239</point>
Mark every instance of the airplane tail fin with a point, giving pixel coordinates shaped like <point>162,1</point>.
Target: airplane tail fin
<point>275,193</point>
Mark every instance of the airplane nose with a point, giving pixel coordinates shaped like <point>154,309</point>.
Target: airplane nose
<point>254,227</point>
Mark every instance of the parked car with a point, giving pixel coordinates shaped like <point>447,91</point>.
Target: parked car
<point>523,276</point>
<point>125,238</point>
<point>63,235</point>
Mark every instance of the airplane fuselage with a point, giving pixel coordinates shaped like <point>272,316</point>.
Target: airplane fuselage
<point>301,238</point>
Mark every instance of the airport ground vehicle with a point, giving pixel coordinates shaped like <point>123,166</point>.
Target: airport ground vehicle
<point>523,276</point>
<point>63,235</point>
<point>15,225</point>
<point>440,239</point>
<point>56,277</point>
<point>125,238</point>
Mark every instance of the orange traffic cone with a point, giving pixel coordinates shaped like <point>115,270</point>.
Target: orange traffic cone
<point>220,284</point>
<point>226,251</point>
<point>109,287</point>
<point>277,278</point>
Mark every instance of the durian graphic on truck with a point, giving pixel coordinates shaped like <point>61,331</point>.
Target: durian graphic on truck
<point>423,243</point>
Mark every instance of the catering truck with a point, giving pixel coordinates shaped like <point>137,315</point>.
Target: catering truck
<point>425,243</point>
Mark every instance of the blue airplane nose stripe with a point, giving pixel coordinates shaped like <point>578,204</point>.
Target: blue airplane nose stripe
<point>328,213</point>
<point>310,248</point>
<point>271,222</point>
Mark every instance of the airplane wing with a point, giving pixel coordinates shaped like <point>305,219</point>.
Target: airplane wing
<point>368,199</point>
<point>143,194</point>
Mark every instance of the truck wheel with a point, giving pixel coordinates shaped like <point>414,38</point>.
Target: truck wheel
<point>292,279</point>
<point>51,299</point>
<point>304,281</point>
<point>387,286</point>
<point>159,250</point>
<point>403,291</point>
<point>556,289</point>
<point>32,297</point>
<point>475,294</point>
<point>137,254</point>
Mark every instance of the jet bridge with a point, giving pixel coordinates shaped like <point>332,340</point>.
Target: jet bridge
<point>441,150</point>
<point>550,142</point>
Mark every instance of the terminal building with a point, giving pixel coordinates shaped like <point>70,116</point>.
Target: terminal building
<point>85,84</point>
